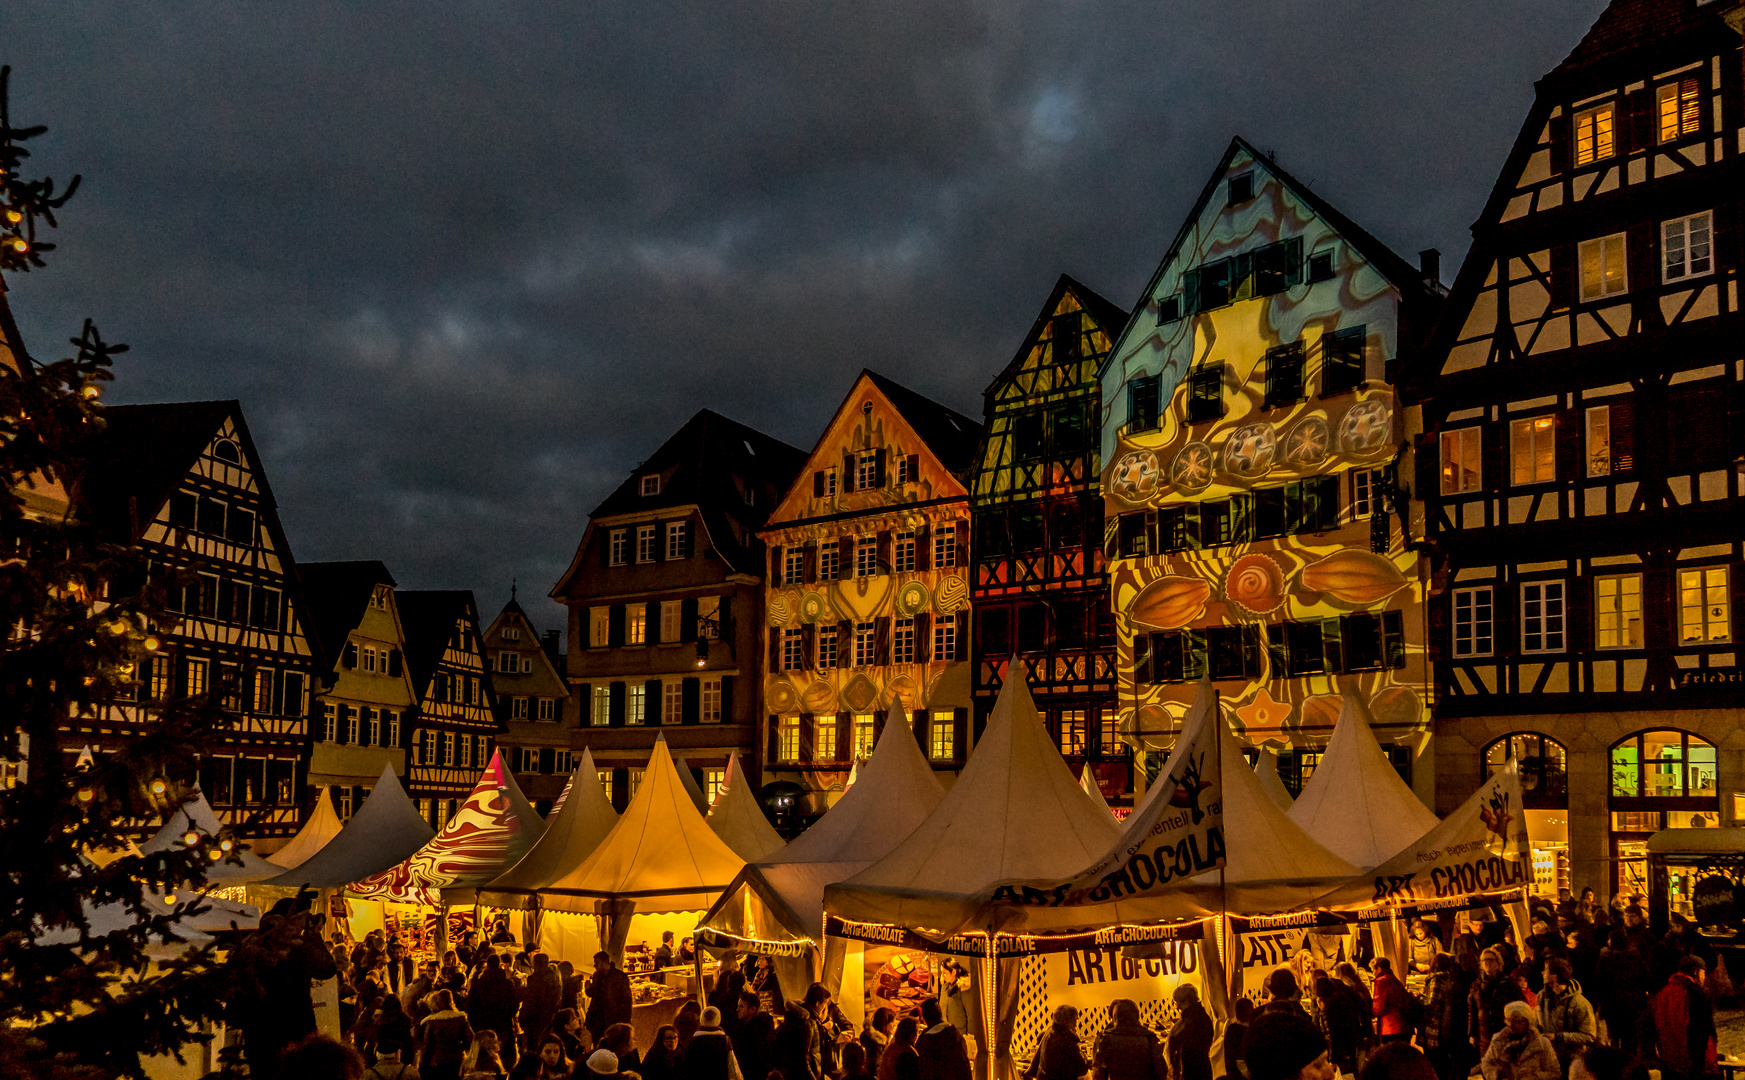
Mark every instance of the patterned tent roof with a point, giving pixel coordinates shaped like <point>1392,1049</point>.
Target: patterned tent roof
<point>572,832</point>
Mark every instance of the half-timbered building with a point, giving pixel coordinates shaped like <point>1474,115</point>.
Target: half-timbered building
<point>1583,468</point>
<point>1039,590</point>
<point>526,670</point>
<point>184,483</point>
<point>455,729</point>
<point>1252,445</point>
<point>868,598</point>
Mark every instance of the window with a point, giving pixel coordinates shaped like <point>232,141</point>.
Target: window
<point>1599,440</point>
<point>1663,765</point>
<point>466,752</point>
<point>632,781</point>
<point>605,778</point>
<point>506,661</point>
<point>945,545</point>
<point>942,735</point>
<point>1070,430</point>
<point>599,627</point>
<point>1473,622</point>
<point>1233,651</point>
<point>903,641</point>
<point>1533,450</point>
<point>1593,135</point>
<point>393,719</point>
<point>1544,767</point>
<point>945,639</point>
<point>1241,189</point>
<point>1109,743</point>
<point>600,714</point>
<point>1542,617</point>
<point>678,537</point>
<point>330,723</point>
<point>824,484</point>
<point>1206,394</point>
<point>827,646</point>
<point>1284,374</point>
<point>827,561</point>
<point>709,616</point>
<point>1342,360</point>
<point>1704,610</point>
<point>548,709</point>
<point>824,738</point>
<point>644,543</point>
<point>669,620</point>
<point>1362,493</point>
<point>635,624</point>
<point>1321,266</point>
<point>635,703</point>
<point>866,556</point>
<point>618,546</point>
<point>793,566</point>
<point>863,644</point>
<point>713,781</point>
<point>672,701</point>
<point>1618,612</point>
<point>1072,733</point>
<point>1461,470</point>
<point>1602,267</point>
<point>1142,403</point>
<point>1372,641</point>
<point>195,672</point>
<point>1680,109</point>
<point>793,648</point>
<point>1304,647</point>
<point>158,684</point>
<point>1028,443</point>
<point>1169,309</point>
<point>866,470</point>
<point>788,739</point>
<point>651,485</point>
<point>1684,246</point>
<point>263,690</point>
<point>709,708</point>
<point>903,553</point>
<point>448,748</point>
<point>863,735</point>
<point>518,708</point>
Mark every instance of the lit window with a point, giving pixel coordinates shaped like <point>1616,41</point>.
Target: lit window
<point>619,546</point>
<point>645,543</point>
<point>548,709</point>
<point>1072,733</point>
<point>1533,443</point>
<point>827,646</point>
<point>466,751</point>
<point>196,673</point>
<point>1542,617</point>
<point>599,627</point>
<point>669,620</point>
<point>1618,612</point>
<point>1473,622</point>
<point>1362,487</point>
<point>1109,734</point>
<point>903,553</point>
<point>824,738</point>
<point>826,484</point>
<point>393,730</point>
<point>710,708</point>
<point>945,546</point>
<point>1602,267</point>
<point>793,648</point>
<point>909,469</point>
<point>943,736</point>
<point>600,714</point>
<point>1685,247</point>
<point>903,642</point>
<point>159,685</point>
<point>866,557</point>
<point>635,624</point>
<point>1680,109</point>
<point>1593,135</point>
<point>605,778</point>
<point>448,748</point>
<point>651,485</point>
<point>827,561</point>
<point>1461,469</point>
<point>1599,440</point>
<point>793,566</point>
<point>263,690</point>
<point>632,781</point>
<point>709,617</point>
<point>672,702</point>
<point>863,735</point>
<point>788,739</point>
<point>713,781</point>
<point>677,535</point>
<point>1704,610</point>
<point>945,639</point>
<point>866,470</point>
<point>863,644</point>
<point>635,703</point>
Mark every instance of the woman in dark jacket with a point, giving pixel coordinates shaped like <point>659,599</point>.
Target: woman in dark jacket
<point>1488,997</point>
<point>794,1050</point>
<point>1342,1021</point>
<point>1060,1057</point>
<point>1190,1040</point>
<point>664,1060</point>
<point>446,1036</point>
<point>393,1027</point>
<point>900,1061</point>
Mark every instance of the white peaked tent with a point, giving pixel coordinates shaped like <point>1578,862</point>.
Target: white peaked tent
<point>323,825</point>
<point>572,833</point>
<point>385,830</point>
<point>690,784</point>
<point>1094,790</point>
<point>739,821</point>
<point>1355,804</point>
<point>1015,813</point>
<point>196,814</point>
<point>1266,768</point>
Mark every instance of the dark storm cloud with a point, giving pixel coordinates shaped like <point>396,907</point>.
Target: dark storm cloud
<point>466,264</point>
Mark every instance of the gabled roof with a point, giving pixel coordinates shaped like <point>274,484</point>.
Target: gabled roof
<point>1355,804</point>
<point>426,618</point>
<point>144,451</point>
<point>383,831</point>
<point>335,596</point>
<point>1629,26</point>
<point>1107,315</point>
<point>952,436</point>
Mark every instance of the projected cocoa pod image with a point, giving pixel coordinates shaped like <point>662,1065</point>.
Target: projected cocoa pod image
<point>1256,583</point>
<point>1354,576</point>
<point>1171,602</point>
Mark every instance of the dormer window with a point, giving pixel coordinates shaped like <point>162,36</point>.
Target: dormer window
<point>651,484</point>
<point>1241,189</point>
<point>225,450</point>
<point>1321,265</point>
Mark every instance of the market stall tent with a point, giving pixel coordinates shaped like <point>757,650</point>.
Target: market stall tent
<point>739,821</point>
<point>1266,767</point>
<point>1094,790</point>
<point>323,825</point>
<point>573,831</point>
<point>385,830</point>
<point>196,815</point>
<point>690,784</point>
<point>1355,804</point>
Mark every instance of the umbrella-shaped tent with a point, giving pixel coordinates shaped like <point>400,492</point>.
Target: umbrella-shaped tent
<point>738,819</point>
<point>323,825</point>
<point>1355,804</point>
<point>385,830</point>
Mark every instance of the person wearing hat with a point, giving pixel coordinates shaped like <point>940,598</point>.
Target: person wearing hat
<point>1518,1051</point>
<point>1284,1044</point>
<point>1189,1042</point>
<point>710,1054</point>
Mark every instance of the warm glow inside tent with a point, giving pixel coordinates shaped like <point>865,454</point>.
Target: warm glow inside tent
<point>739,821</point>
<point>196,815</point>
<point>385,830</point>
<point>1355,804</point>
<point>323,825</point>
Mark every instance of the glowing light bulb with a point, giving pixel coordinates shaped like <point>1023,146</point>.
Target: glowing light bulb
<point>225,845</point>
<point>14,216</point>
<point>85,794</point>
<point>158,787</point>
<point>90,393</point>
<point>170,898</point>
<point>214,854</point>
<point>20,245</point>
<point>190,838</point>
<point>151,644</point>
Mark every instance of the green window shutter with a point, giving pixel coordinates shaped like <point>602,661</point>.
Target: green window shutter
<point>1333,645</point>
<point>1190,292</point>
<point>651,703</point>
<point>1393,639</point>
<point>690,700</point>
<point>1242,277</point>
<point>1293,261</point>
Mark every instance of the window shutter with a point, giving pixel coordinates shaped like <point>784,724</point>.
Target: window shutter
<point>1642,262</point>
<point>1637,131</point>
<point>690,700</point>
<point>775,649</point>
<point>584,705</point>
<point>882,640</point>
<point>818,484</point>
<point>773,741</point>
<point>1426,466</point>
<point>1563,276</point>
<point>1190,292</point>
<point>350,660</point>
<point>847,472</point>
<point>1560,145</point>
<point>1144,671</point>
<point>1570,431</point>
<point>615,625</point>
<point>844,557</point>
<point>962,544</point>
<point>844,644</point>
<point>1242,276</point>
<point>880,460</point>
<point>1151,537</point>
<point>605,538</point>
<point>809,563</point>
<point>651,625</point>
<point>919,724</point>
<point>652,700</point>
<point>1506,616</point>
<point>775,564</point>
<point>1277,656</point>
<point>923,637</point>
<point>688,619</point>
<point>923,549</point>
<point>724,616</point>
<point>882,553</point>
<point>1623,423</point>
<point>1251,648</point>
<point>727,716</point>
<point>1333,645</point>
<point>690,543</point>
<point>660,528</point>
<point>914,467</point>
<point>809,646</point>
<point>962,642</point>
<point>960,736</point>
<point>844,736</point>
<point>615,698</point>
<point>340,734</point>
<point>808,737</point>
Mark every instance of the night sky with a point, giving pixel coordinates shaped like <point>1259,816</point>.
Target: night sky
<point>467,264</point>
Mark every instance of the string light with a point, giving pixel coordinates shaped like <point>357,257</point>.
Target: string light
<point>84,794</point>
<point>190,838</point>
<point>225,845</point>
<point>158,787</point>
<point>151,644</point>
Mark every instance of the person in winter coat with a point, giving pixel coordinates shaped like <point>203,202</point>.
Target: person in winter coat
<point>540,1000</point>
<point>609,999</point>
<point>1565,1017</point>
<point>1425,946</point>
<point>1444,1034</point>
<point>1127,1049</point>
<point>900,1061</point>
<point>1283,992</point>
<point>445,1037</point>
<point>943,1053</point>
<point>1060,1057</point>
<point>754,1037</point>
<point>1680,1024</point>
<point>393,1028</point>
<point>877,1036</point>
<point>1388,1006</point>
<point>665,1060</point>
<point>709,1056</point>
<point>492,1004</point>
<point>1284,1045</point>
<point>796,1044</point>
<point>1343,1022</point>
<point>1621,990</point>
<point>1235,1034</point>
<point>1518,1051</point>
<point>1485,1002</point>
<point>1190,1039</point>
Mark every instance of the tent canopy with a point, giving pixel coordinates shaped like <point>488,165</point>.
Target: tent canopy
<point>1015,813</point>
<point>323,825</point>
<point>1266,768</point>
<point>239,868</point>
<point>892,794</point>
<point>662,855</point>
<point>1355,804</point>
<point>1094,790</point>
<point>490,832</point>
<point>738,819</point>
<point>385,830</point>
<point>690,783</point>
<point>572,833</point>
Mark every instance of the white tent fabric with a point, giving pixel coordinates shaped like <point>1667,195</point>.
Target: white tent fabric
<point>1355,804</point>
<point>571,835</point>
<point>739,821</point>
<point>385,830</point>
<point>1094,790</point>
<point>1266,768</point>
<point>1015,813</point>
<point>197,814</point>
<point>894,793</point>
<point>661,855</point>
<point>690,784</point>
<point>323,825</point>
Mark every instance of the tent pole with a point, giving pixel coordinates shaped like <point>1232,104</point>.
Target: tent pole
<point>697,961</point>
<point>990,1009</point>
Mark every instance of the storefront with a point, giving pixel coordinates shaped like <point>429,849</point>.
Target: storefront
<point>1545,802</point>
<point>1659,780</point>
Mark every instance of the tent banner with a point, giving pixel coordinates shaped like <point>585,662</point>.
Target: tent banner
<point>1090,978</point>
<point>1009,946</point>
<point>719,939</point>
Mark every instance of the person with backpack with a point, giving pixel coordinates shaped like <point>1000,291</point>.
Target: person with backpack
<point>388,1066</point>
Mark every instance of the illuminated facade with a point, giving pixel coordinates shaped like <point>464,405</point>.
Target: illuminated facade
<point>1039,590</point>
<point>1583,467</point>
<point>456,729</point>
<point>532,700</point>
<point>868,598</point>
<point>1253,454</point>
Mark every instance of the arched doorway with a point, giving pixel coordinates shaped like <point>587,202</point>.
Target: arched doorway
<point>1545,802</point>
<point>1659,780</point>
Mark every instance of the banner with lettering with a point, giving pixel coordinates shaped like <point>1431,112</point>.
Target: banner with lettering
<point>1176,833</point>
<point>1089,979</point>
<point>1008,947</point>
<point>1479,849</point>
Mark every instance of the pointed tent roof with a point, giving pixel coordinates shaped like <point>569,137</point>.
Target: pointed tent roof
<point>690,784</point>
<point>323,825</point>
<point>1015,813</point>
<point>893,793</point>
<point>1094,790</point>
<point>385,830</point>
<point>490,832</point>
<point>1355,804</point>
<point>739,821</point>
<point>661,854</point>
<point>197,814</point>
<point>1266,768</point>
<point>572,833</point>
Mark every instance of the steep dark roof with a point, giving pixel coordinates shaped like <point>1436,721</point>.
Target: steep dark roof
<point>335,595</point>
<point>426,618</point>
<point>1629,26</point>
<point>1108,316</point>
<point>952,436</point>
<point>142,454</point>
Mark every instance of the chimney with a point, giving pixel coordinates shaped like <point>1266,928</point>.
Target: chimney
<point>1430,265</point>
